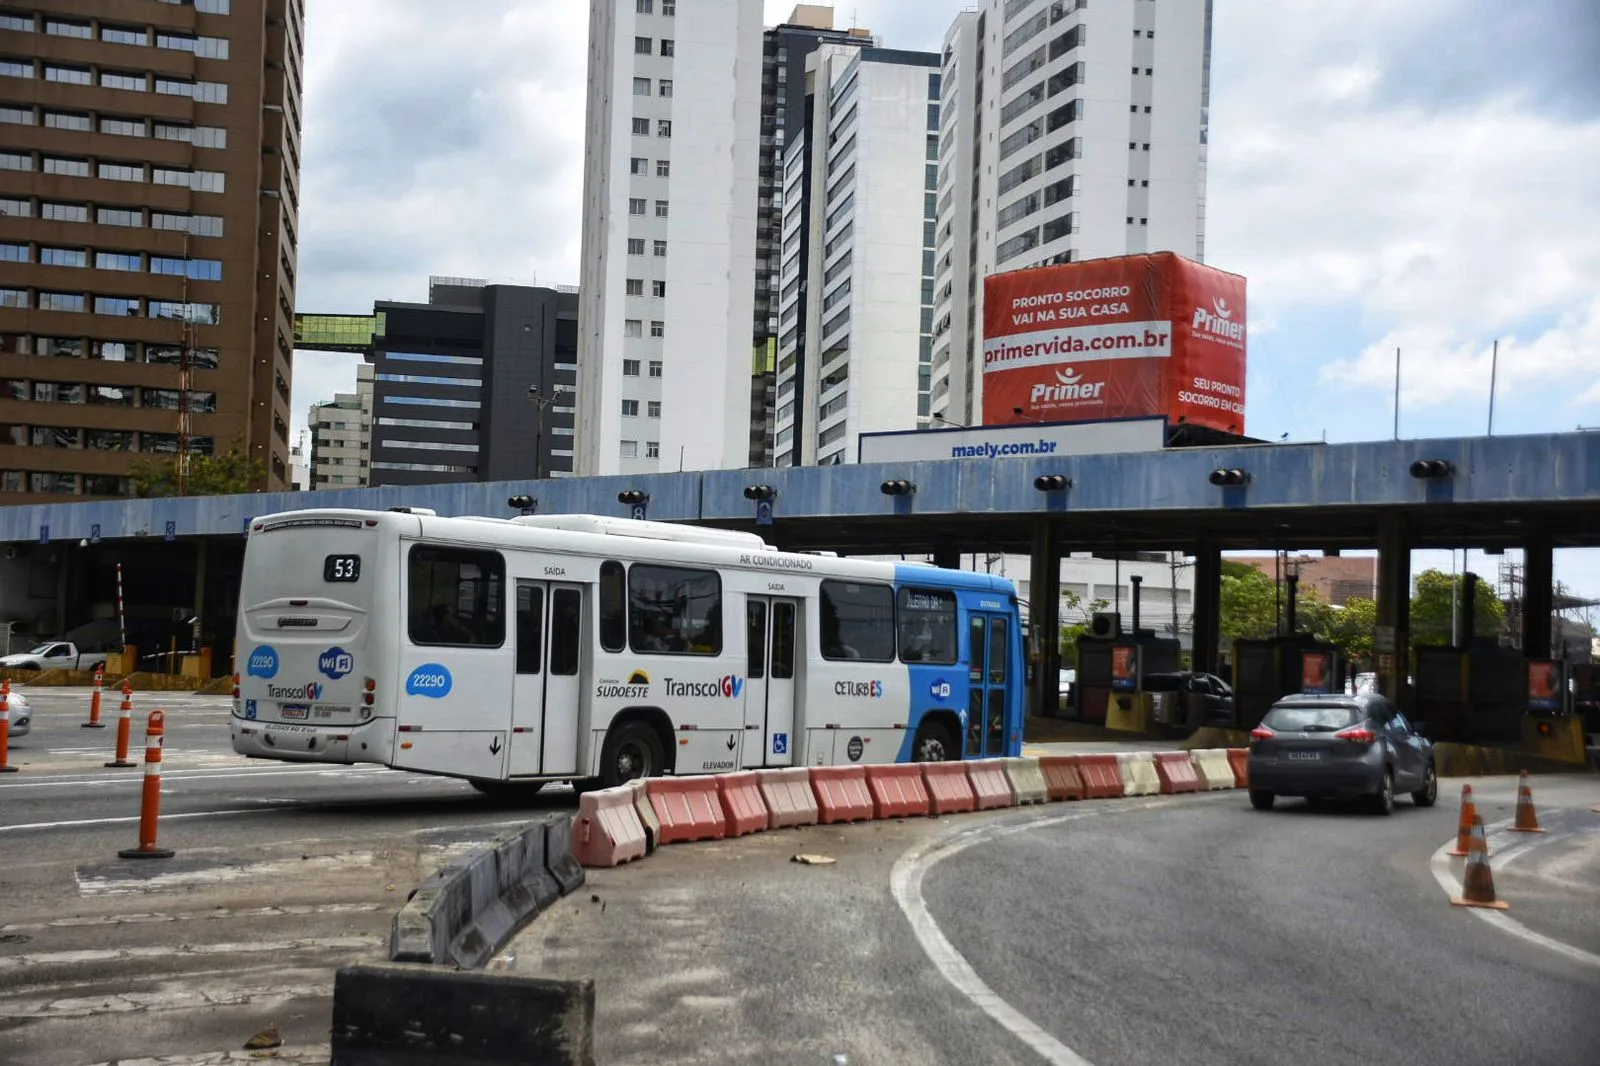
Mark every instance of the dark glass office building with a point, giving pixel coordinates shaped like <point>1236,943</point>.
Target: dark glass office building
<point>477,384</point>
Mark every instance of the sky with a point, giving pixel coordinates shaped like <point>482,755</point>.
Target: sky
<point>1412,174</point>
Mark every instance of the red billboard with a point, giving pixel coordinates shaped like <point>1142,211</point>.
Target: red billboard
<point>1127,337</point>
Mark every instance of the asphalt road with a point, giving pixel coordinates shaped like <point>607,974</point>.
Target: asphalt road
<point>282,873</point>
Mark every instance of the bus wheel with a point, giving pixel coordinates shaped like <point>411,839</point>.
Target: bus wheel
<point>632,751</point>
<point>933,744</point>
<point>506,790</point>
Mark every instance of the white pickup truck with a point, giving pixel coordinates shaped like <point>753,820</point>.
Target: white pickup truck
<point>54,655</point>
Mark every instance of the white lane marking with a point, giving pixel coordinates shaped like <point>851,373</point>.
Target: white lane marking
<point>216,774</point>
<point>165,951</point>
<point>166,1000</point>
<point>905,882</point>
<point>80,822</point>
<point>232,914</point>
<point>300,1055</point>
<point>93,885</point>
<point>1440,865</point>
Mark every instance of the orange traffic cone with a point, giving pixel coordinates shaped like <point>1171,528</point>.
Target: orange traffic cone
<point>1469,814</point>
<point>1527,818</point>
<point>1477,882</point>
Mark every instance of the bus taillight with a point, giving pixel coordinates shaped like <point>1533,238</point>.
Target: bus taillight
<point>368,696</point>
<point>235,686</point>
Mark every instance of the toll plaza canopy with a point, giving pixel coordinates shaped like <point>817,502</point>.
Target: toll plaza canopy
<point>1477,492</point>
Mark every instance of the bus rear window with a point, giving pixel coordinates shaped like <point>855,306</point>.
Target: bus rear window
<point>456,597</point>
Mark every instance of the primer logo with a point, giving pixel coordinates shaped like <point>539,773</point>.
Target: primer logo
<point>1069,386</point>
<point>1218,321</point>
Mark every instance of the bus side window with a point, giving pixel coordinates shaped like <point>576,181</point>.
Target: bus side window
<point>613,606</point>
<point>457,596</point>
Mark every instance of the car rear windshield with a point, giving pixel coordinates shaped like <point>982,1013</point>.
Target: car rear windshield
<point>1316,717</point>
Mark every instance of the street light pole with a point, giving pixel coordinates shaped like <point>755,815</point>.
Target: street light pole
<point>540,402</point>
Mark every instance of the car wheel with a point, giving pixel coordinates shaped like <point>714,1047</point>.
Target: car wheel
<point>1261,800</point>
<point>1429,793</point>
<point>1383,802</point>
<point>933,744</point>
<point>631,752</point>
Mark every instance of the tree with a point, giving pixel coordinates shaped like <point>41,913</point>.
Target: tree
<point>1252,604</point>
<point>1351,628</point>
<point>229,472</point>
<point>1071,631</point>
<point>1431,619</point>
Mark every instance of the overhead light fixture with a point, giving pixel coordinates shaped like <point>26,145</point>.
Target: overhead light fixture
<point>1052,482</point>
<point>633,496</point>
<point>1432,468</point>
<point>1230,477</point>
<point>760,492</point>
<point>898,488</point>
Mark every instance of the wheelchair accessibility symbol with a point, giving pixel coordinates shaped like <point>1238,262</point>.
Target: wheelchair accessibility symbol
<point>780,743</point>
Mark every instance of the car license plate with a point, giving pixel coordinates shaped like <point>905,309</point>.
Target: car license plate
<point>1305,755</point>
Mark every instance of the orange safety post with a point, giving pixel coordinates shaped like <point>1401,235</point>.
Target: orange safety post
<point>124,728</point>
<point>5,728</point>
<point>1477,880</point>
<point>150,803</point>
<point>94,721</point>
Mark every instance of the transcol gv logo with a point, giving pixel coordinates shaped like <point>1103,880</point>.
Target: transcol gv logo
<point>1218,321</point>
<point>311,690</point>
<point>728,687</point>
<point>1069,386</point>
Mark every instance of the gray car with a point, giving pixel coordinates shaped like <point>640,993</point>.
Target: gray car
<point>21,715</point>
<point>1325,747</point>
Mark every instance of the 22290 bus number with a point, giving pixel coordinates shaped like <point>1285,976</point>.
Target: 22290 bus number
<point>341,568</point>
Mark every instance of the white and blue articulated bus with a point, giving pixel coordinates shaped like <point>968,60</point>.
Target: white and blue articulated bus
<point>514,652</point>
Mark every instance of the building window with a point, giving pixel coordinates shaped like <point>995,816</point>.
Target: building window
<point>630,408</point>
<point>15,253</point>
<point>118,35</point>
<point>128,261</point>
<point>669,7</point>
<point>663,168</point>
<point>660,249</point>
<point>14,298</point>
<point>111,79</point>
<point>641,46</point>
<point>635,245</point>
<point>665,87</point>
<point>15,68</point>
<point>638,166</point>
<point>61,301</point>
<point>635,206</point>
<point>80,30</point>
<point>15,161</point>
<point>655,368</point>
<point>16,116</point>
<point>661,209</point>
<point>64,212</point>
<point>124,306</point>
<point>123,127</point>
<point>628,449</point>
<point>658,289</point>
<point>119,216</point>
<point>657,328</point>
<point>19,23</point>
<point>663,127</point>
<point>67,120</point>
<point>654,409</point>
<point>75,168</point>
<point>119,172</point>
<point>652,449</point>
<point>633,327</point>
<point>641,127</point>
<point>630,367</point>
<point>635,286</point>
<point>64,257</point>
<point>643,7</point>
<point>641,86</point>
<point>667,47</point>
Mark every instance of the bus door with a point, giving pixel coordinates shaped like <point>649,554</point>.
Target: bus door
<point>545,693</point>
<point>771,625</point>
<point>988,674</point>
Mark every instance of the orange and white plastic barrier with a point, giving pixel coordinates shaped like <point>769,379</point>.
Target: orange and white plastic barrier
<point>1239,763</point>
<point>788,795</point>
<point>1026,780</point>
<point>989,784</point>
<point>841,793</point>
<point>150,801</point>
<point>1176,771</point>
<point>898,791</point>
<point>1214,768</point>
<point>688,808</point>
<point>1061,777</point>
<point>124,729</point>
<point>949,788</point>
<point>607,831</point>
<point>742,806</point>
<point>1139,777</point>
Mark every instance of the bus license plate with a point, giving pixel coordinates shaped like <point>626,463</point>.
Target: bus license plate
<point>1306,755</point>
<point>295,710</point>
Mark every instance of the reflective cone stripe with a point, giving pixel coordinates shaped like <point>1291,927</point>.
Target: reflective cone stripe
<point>1477,882</point>
<point>1527,818</point>
<point>1469,814</point>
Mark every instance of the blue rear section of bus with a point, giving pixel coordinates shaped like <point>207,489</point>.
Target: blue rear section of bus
<point>986,698</point>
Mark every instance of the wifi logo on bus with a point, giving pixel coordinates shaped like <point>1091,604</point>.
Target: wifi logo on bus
<point>940,689</point>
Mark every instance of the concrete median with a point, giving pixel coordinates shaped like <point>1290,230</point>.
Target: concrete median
<point>468,910</point>
<point>385,1015</point>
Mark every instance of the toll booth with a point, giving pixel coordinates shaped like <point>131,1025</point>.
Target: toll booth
<point>1111,672</point>
<point>1475,694</point>
<point>1586,696</point>
<point>1264,671</point>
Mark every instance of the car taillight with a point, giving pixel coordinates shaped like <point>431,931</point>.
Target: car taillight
<point>370,687</point>
<point>1360,734</point>
<point>1261,732</point>
<point>235,686</point>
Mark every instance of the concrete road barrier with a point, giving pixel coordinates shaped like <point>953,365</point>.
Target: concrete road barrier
<point>1139,776</point>
<point>789,798</point>
<point>688,809</point>
<point>608,831</point>
<point>1027,782</point>
<point>1061,777</point>
<point>1102,776</point>
<point>949,788</point>
<point>647,814</point>
<point>841,793</point>
<point>742,806</point>
<point>897,791</point>
<point>475,905</point>
<point>1212,766</point>
<point>989,784</point>
<point>385,1015</point>
<point>1176,771</point>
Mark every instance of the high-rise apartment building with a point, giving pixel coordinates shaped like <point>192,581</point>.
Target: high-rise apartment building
<point>1070,131</point>
<point>669,235</point>
<point>856,288</point>
<point>341,437</point>
<point>149,166</point>
<point>477,384</point>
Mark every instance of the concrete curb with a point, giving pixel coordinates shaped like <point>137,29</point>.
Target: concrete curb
<point>386,1015</point>
<point>470,909</point>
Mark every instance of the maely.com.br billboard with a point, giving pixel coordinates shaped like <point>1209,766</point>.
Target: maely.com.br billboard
<point>1126,337</point>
